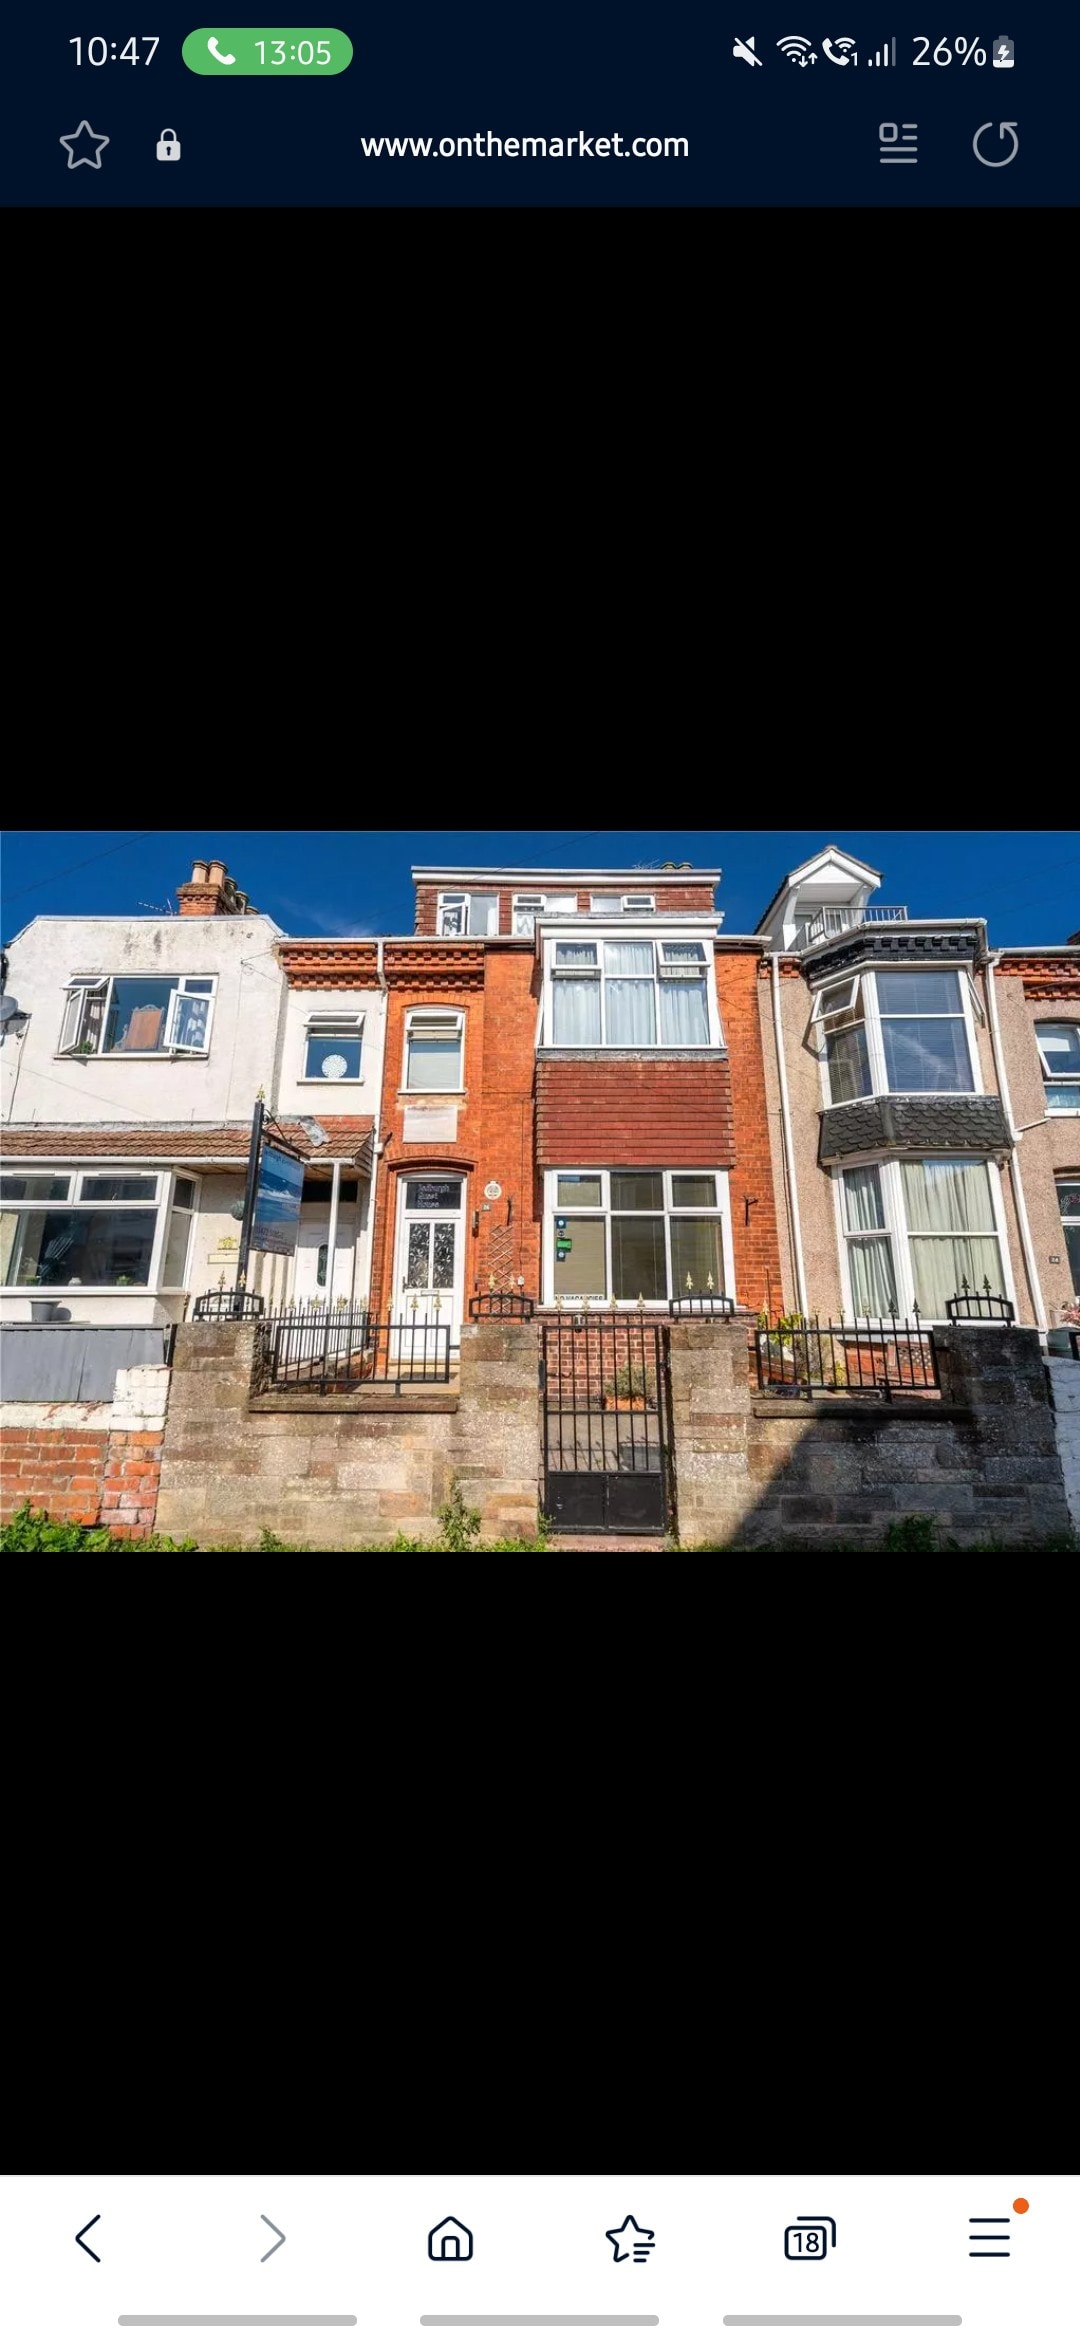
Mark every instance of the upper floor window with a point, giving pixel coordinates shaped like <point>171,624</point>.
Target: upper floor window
<point>138,1015</point>
<point>901,1031</point>
<point>434,1041</point>
<point>615,903</point>
<point>1059,1048</point>
<point>333,1048</point>
<point>529,907</point>
<point>640,994</point>
<point>468,914</point>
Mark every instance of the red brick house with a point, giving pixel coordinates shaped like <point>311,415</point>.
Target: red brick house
<point>559,1111</point>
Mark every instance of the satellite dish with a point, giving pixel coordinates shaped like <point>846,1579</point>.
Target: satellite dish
<point>9,1007</point>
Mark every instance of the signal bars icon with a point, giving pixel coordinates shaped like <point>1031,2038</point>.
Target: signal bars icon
<point>882,56</point>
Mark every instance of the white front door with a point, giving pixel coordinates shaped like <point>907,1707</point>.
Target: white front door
<point>429,1281</point>
<point>312,1249</point>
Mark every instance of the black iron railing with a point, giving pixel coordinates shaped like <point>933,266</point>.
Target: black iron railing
<point>703,1304</point>
<point>228,1304</point>
<point>798,1356</point>
<point>333,1350</point>
<point>985,1307</point>
<point>512,1304</point>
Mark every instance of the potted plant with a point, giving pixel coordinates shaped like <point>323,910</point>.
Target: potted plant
<point>1063,1340</point>
<point>628,1390</point>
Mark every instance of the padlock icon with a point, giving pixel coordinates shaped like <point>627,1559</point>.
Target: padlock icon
<point>168,147</point>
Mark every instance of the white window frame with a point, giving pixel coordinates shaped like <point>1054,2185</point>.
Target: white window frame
<point>896,1229</point>
<point>322,1024</point>
<point>161,1206</point>
<point>661,973</point>
<point>1067,1219</point>
<point>433,1015</point>
<point>533,906</point>
<point>82,987</point>
<point>863,1007</point>
<point>466,897</point>
<point>554,1209</point>
<point>609,905</point>
<point>1057,1080</point>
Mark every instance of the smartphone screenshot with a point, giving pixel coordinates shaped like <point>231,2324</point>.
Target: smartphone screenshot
<point>617,103</point>
<point>992,2256</point>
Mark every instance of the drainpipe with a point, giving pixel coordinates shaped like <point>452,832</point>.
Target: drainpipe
<point>378,1144</point>
<point>789,1149</point>
<point>331,1246</point>
<point>1027,1247</point>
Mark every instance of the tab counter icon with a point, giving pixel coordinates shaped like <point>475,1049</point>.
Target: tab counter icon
<point>809,2240</point>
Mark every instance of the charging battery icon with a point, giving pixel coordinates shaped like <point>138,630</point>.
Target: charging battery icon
<point>1004,52</point>
<point>809,2240</point>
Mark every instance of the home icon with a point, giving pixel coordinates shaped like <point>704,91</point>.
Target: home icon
<point>451,2240</point>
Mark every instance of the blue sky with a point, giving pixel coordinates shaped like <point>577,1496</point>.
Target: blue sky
<point>356,881</point>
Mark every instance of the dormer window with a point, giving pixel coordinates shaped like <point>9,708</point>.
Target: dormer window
<point>529,907</point>
<point>468,914</point>
<point>614,905</point>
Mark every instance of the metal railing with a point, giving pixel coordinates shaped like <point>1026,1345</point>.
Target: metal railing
<point>332,1351</point>
<point>702,1304</point>
<point>514,1304</point>
<point>227,1304</point>
<point>821,923</point>
<point>985,1307</point>
<point>798,1357</point>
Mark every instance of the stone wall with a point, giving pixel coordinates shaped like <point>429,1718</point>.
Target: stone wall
<point>1064,1377</point>
<point>345,1473</point>
<point>981,1460</point>
<point>96,1464</point>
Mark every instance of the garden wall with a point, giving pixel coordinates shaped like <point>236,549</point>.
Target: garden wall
<point>98,1464</point>
<point>981,1459</point>
<point>1064,1377</point>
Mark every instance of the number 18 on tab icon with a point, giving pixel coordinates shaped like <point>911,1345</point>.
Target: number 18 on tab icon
<point>810,2239</point>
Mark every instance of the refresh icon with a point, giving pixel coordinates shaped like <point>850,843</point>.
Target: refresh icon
<point>1002,160</point>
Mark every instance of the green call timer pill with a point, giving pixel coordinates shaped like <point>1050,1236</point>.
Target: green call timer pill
<point>253,48</point>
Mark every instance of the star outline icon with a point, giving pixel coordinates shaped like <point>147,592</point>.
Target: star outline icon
<point>642,2240</point>
<point>92,161</point>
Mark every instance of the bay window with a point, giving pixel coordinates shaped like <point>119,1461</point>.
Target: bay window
<point>138,1015</point>
<point>916,1232</point>
<point>621,1236</point>
<point>1068,1194</point>
<point>898,1031</point>
<point>60,1229</point>
<point>1059,1050</point>
<point>643,993</point>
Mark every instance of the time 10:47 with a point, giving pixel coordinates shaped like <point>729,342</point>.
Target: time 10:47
<point>101,52</point>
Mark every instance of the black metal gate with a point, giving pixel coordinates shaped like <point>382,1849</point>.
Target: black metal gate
<point>606,1423</point>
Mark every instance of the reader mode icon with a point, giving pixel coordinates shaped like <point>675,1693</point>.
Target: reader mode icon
<point>810,2238</point>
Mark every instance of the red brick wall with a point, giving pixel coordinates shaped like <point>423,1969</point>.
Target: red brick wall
<point>655,1112</point>
<point>756,1237</point>
<point>59,1471</point>
<point>95,1477</point>
<point>666,897</point>
<point>495,1126</point>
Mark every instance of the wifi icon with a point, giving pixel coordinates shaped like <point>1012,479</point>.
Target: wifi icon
<point>795,46</point>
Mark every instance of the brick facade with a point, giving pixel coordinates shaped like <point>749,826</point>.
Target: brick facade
<point>667,897</point>
<point>755,1229</point>
<point>56,1469</point>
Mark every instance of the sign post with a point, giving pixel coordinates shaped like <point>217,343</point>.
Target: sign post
<point>250,1191</point>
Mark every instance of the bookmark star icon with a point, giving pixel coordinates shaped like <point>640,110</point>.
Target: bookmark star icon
<point>632,2237</point>
<point>96,141</point>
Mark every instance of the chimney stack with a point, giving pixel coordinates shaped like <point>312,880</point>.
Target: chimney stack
<point>210,893</point>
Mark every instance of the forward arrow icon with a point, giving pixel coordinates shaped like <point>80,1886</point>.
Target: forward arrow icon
<point>274,2230</point>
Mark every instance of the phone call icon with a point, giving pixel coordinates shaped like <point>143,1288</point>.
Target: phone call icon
<point>216,53</point>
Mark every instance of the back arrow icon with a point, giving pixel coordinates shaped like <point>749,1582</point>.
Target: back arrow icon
<point>274,2246</point>
<point>85,2230</point>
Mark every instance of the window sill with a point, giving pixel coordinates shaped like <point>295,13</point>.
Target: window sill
<point>602,1051</point>
<point>1061,1113</point>
<point>83,1291</point>
<point>132,1056</point>
<point>318,1081</point>
<point>429,1096</point>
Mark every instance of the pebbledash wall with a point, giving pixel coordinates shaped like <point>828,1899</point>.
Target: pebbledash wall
<point>98,1464</point>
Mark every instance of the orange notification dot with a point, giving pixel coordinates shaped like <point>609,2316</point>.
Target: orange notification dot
<point>1020,2205</point>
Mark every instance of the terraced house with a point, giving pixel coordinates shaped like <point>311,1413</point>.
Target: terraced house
<point>923,1105</point>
